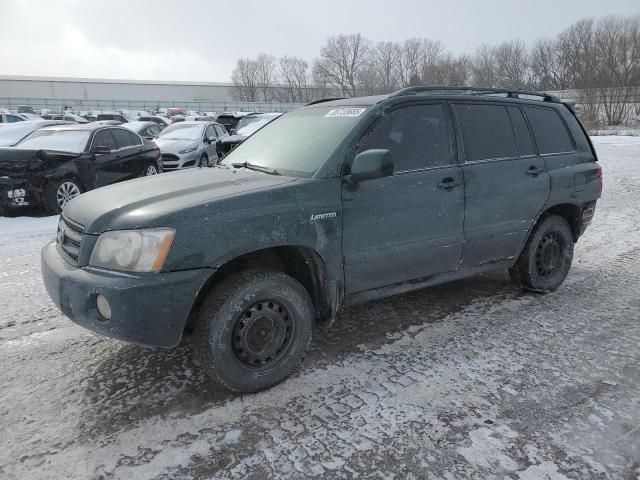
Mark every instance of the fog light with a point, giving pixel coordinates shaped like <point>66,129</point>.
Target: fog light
<point>103,307</point>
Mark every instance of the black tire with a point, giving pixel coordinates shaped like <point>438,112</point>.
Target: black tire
<point>150,169</point>
<point>546,259</point>
<point>53,191</point>
<point>204,160</point>
<point>231,324</point>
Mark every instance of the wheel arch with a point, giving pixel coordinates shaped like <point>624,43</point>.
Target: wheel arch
<point>302,263</point>
<point>571,212</point>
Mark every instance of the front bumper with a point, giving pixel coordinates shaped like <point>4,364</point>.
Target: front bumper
<point>17,192</point>
<point>148,309</point>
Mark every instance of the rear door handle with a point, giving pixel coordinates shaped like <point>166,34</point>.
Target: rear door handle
<point>535,171</point>
<point>449,183</point>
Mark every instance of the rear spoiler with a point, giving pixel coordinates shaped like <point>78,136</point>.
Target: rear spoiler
<point>570,104</point>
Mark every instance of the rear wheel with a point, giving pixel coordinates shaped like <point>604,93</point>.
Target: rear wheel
<point>546,259</point>
<point>150,170</point>
<point>254,330</point>
<point>58,193</point>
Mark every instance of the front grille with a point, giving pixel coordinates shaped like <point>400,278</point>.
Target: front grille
<point>69,238</point>
<point>170,161</point>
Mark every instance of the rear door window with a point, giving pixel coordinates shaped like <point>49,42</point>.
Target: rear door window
<point>523,135</point>
<point>549,130</point>
<point>417,137</point>
<point>104,138</point>
<point>124,138</point>
<point>486,132</point>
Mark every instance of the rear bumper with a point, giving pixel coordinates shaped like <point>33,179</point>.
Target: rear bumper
<point>148,309</point>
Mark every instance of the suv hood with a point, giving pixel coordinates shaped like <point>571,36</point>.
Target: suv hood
<point>137,203</point>
<point>19,161</point>
<point>168,145</point>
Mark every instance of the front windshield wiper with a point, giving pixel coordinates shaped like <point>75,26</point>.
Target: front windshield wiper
<point>258,168</point>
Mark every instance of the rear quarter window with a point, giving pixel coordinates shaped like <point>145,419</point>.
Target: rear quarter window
<point>486,132</point>
<point>549,131</point>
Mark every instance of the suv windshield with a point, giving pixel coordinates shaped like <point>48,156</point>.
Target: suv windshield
<point>182,131</point>
<point>73,141</point>
<point>299,142</point>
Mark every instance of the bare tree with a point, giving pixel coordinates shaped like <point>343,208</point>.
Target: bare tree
<point>342,61</point>
<point>512,62</point>
<point>484,67</point>
<point>549,69</point>
<point>294,73</point>
<point>386,64</point>
<point>266,68</point>
<point>245,78</point>
<point>410,62</point>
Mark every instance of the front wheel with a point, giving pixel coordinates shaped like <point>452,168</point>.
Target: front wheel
<point>58,193</point>
<point>204,160</point>
<point>254,330</point>
<point>546,259</point>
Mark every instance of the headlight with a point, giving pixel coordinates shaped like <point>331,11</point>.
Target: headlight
<point>189,150</point>
<point>133,250</point>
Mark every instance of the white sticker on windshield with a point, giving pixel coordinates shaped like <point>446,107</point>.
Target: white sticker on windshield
<point>345,112</point>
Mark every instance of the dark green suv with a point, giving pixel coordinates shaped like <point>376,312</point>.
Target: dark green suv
<point>332,204</point>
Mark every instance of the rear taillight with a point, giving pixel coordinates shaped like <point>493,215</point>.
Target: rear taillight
<point>599,170</point>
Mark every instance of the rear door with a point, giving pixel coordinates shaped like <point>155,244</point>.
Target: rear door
<point>506,181</point>
<point>408,225</point>
<point>129,161</point>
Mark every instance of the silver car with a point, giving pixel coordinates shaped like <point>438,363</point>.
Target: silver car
<point>190,144</point>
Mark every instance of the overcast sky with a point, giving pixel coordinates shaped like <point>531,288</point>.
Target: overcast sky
<point>200,40</point>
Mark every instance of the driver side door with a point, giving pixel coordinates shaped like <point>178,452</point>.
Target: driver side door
<point>408,225</point>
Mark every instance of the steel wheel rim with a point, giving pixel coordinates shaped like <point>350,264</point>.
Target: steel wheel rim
<point>263,334</point>
<point>549,254</point>
<point>66,191</point>
<point>151,170</point>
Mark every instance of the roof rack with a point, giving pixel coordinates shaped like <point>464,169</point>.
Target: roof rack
<point>509,92</point>
<point>322,100</point>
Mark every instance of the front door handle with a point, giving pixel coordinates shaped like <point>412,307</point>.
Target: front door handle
<point>535,171</point>
<point>449,183</point>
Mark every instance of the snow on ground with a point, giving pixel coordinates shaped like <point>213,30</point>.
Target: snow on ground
<point>27,225</point>
<point>474,379</point>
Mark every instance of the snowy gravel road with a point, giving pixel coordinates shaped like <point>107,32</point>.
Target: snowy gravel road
<point>475,379</point>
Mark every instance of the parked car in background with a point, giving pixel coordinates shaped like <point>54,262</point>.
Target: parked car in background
<point>159,119</point>
<point>25,109</point>
<point>229,120</point>
<point>177,118</point>
<point>54,164</point>
<point>69,117</point>
<point>147,130</point>
<point>111,116</point>
<point>14,132</point>
<point>199,118</point>
<point>176,111</point>
<point>246,127</point>
<point>190,144</point>
<point>89,117</point>
<point>8,117</point>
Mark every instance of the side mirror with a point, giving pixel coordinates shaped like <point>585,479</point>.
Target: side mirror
<point>210,139</point>
<point>371,164</point>
<point>101,150</point>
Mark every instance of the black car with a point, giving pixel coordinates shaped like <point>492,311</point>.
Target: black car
<point>229,120</point>
<point>147,130</point>
<point>55,164</point>
<point>245,128</point>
